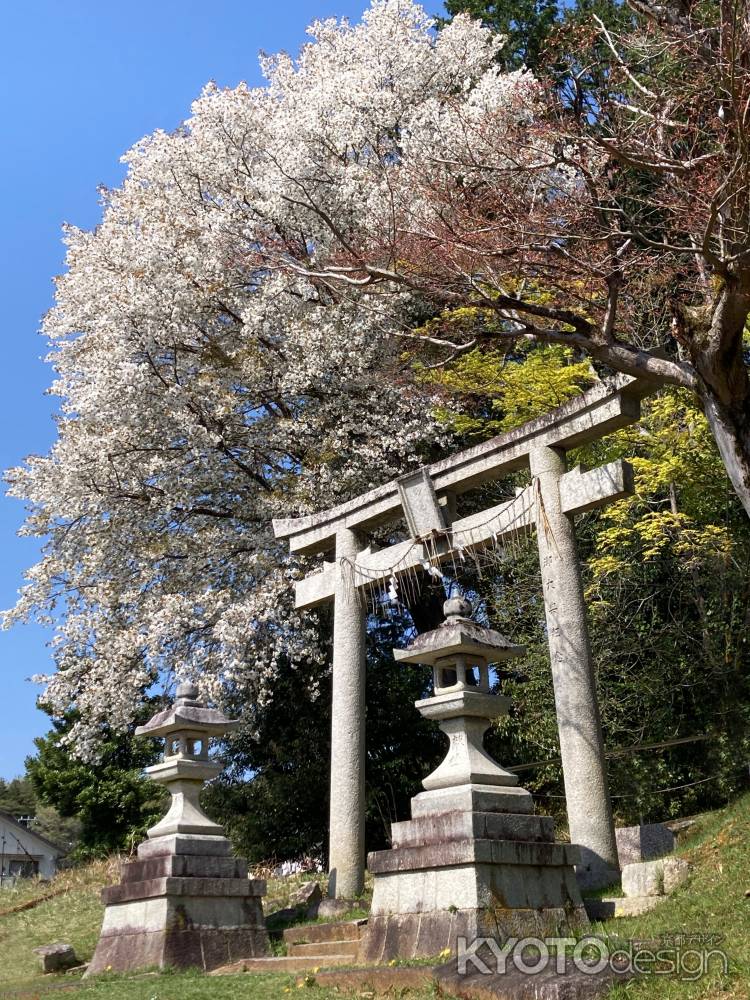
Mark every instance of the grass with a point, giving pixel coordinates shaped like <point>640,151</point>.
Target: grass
<point>195,986</point>
<point>74,915</point>
<point>713,902</point>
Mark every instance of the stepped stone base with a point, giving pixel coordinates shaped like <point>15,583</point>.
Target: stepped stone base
<point>185,902</point>
<point>310,946</point>
<point>469,873</point>
<point>320,942</point>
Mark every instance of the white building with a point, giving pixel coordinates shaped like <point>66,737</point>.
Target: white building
<point>24,853</point>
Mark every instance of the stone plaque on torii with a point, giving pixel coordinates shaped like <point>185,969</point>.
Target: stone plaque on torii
<point>426,499</point>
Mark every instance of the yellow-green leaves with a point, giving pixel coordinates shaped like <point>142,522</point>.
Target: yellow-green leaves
<point>682,503</point>
<point>495,392</point>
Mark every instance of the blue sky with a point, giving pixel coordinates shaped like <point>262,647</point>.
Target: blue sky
<point>83,80</point>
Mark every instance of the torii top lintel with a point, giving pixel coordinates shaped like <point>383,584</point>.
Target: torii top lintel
<point>606,407</point>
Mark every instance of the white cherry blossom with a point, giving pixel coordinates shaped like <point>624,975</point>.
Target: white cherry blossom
<point>206,390</point>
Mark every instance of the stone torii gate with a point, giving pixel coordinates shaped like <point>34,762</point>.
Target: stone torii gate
<point>427,500</point>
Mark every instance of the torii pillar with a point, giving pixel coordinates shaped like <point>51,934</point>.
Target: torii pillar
<point>346,854</point>
<point>577,707</point>
<point>549,504</point>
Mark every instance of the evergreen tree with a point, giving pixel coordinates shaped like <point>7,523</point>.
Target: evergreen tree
<point>18,797</point>
<point>527,25</point>
<point>273,799</point>
<point>65,831</point>
<point>540,34</point>
<point>112,799</point>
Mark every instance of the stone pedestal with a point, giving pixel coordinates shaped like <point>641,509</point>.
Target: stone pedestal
<point>185,902</point>
<point>472,862</point>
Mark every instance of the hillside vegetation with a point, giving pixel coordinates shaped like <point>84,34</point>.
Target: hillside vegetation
<point>715,901</point>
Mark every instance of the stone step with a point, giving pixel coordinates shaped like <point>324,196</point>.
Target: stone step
<point>620,906</point>
<point>292,963</point>
<point>342,930</point>
<point>324,948</point>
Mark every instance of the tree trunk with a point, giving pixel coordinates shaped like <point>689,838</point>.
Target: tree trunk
<point>723,385</point>
<point>731,430</point>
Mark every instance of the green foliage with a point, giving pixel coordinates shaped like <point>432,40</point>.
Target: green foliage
<point>526,24</point>
<point>402,747</point>
<point>18,797</point>
<point>667,574</point>
<point>669,595</point>
<point>273,798</point>
<point>112,799</point>
<point>492,391</point>
<point>682,503</point>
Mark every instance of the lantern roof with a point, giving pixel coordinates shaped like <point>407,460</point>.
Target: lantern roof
<point>187,712</point>
<point>458,635</point>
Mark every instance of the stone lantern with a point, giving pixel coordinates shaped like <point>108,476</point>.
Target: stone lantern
<point>459,652</point>
<point>474,860</point>
<point>187,728</point>
<point>186,900</point>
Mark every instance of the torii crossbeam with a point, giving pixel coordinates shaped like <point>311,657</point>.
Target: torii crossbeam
<point>427,500</point>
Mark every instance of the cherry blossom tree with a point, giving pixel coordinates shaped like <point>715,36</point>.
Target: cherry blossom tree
<point>205,390</point>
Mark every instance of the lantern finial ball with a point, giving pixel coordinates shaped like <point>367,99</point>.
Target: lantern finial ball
<point>186,691</point>
<point>457,607</point>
